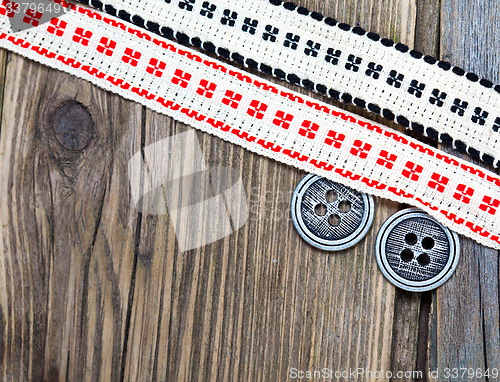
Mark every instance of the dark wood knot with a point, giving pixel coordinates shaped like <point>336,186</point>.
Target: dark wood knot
<point>73,125</point>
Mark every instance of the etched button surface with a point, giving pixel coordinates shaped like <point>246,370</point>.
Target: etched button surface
<point>330,216</point>
<point>415,252</point>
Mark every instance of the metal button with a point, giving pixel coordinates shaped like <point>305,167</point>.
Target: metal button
<point>415,252</point>
<point>330,216</point>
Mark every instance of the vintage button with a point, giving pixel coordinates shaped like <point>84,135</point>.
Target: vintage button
<point>415,252</point>
<point>329,215</point>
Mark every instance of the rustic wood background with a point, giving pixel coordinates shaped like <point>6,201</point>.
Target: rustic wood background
<point>91,289</point>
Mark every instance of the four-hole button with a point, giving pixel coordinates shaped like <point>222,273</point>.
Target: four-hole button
<point>329,215</point>
<point>415,252</point>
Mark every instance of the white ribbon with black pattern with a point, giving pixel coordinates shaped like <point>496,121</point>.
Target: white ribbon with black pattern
<point>264,118</point>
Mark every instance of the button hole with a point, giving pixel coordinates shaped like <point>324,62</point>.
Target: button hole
<point>406,255</point>
<point>424,259</point>
<point>331,196</point>
<point>411,238</point>
<point>345,206</point>
<point>334,220</point>
<point>428,243</point>
<point>320,209</point>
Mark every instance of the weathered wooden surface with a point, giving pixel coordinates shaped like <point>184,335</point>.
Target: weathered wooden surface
<point>92,289</point>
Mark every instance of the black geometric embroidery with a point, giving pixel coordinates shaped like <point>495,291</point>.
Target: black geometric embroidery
<point>208,9</point>
<point>249,25</point>
<point>374,70</point>
<point>186,4</point>
<point>312,48</point>
<point>459,107</point>
<point>229,18</point>
<point>496,126</point>
<point>291,41</point>
<point>332,56</point>
<point>270,33</point>
<point>437,98</point>
<point>353,63</point>
<point>395,79</point>
<point>479,116</point>
<point>416,88</point>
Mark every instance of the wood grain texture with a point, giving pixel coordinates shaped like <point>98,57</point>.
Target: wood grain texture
<point>91,288</point>
<point>67,230</point>
<point>427,31</point>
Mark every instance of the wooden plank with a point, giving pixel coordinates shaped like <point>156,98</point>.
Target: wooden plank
<point>67,233</point>
<point>464,329</point>
<point>261,301</point>
<point>427,41</point>
<point>3,66</point>
<point>427,31</point>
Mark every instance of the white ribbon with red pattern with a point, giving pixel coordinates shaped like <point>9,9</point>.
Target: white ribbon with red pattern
<point>264,118</point>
